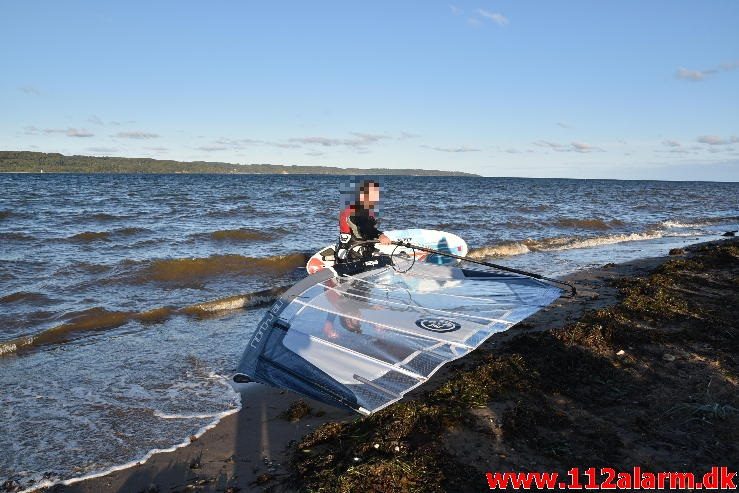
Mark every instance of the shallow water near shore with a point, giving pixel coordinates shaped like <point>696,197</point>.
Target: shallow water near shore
<point>107,350</point>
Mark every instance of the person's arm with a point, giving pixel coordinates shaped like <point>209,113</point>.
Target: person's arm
<point>370,230</point>
<point>364,227</point>
<point>376,233</point>
<point>367,226</point>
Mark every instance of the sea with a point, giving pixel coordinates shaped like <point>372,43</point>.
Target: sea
<point>127,300</point>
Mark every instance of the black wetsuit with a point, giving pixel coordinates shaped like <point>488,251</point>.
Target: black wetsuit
<point>356,224</point>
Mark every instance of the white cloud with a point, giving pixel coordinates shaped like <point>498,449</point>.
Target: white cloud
<point>715,140</point>
<point>551,145</point>
<point>495,17</point>
<point>671,143</point>
<point>74,132</point>
<point>69,132</point>
<point>694,75</point>
<point>212,148</point>
<point>580,147</point>
<point>237,143</point>
<point>455,10</point>
<point>282,145</point>
<point>700,75</point>
<point>96,120</point>
<point>677,150</point>
<point>136,134</point>
<point>359,141</point>
<point>583,147</point>
<point>407,135</point>
<point>364,138</point>
<point>30,90</point>
<point>452,149</point>
<point>321,141</point>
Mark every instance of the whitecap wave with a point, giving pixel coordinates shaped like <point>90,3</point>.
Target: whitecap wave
<point>508,249</point>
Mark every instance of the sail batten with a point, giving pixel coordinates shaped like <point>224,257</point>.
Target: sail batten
<point>396,367</point>
<point>419,307</point>
<point>386,326</point>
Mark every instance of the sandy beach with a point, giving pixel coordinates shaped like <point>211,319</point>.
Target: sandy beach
<point>638,370</point>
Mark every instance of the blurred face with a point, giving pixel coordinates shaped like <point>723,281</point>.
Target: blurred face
<point>371,196</point>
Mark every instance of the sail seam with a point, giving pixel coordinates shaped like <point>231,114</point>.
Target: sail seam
<point>393,328</point>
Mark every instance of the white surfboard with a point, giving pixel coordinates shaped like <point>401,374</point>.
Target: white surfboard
<point>427,238</point>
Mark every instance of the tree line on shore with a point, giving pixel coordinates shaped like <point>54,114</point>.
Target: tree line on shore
<point>37,162</point>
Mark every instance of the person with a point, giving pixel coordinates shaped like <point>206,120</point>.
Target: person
<point>358,223</point>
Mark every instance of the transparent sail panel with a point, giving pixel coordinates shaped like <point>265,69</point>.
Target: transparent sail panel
<point>363,341</point>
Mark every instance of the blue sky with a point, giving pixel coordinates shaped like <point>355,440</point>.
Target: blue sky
<point>581,89</point>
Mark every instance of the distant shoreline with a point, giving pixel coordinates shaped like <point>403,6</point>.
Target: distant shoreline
<point>43,163</point>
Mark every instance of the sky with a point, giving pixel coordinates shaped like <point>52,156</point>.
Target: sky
<point>630,89</point>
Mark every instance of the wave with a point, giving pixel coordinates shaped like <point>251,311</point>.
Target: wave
<point>240,235</point>
<point>84,237</point>
<point>85,267</point>
<point>98,319</point>
<point>698,222</point>
<point>91,320</point>
<point>186,271</point>
<point>234,211</point>
<point>24,297</point>
<point>155,315</point>
<point>534,208</point>
<point>47,483</point>
<point>89,236</point>
<point>665,228</point>
<point>84,323</point>
<point>505,249</point>
<point>249,300</point>
<point>16,237</point>
<point>592,224</point>
<point>131,231</point>
<point>103,216</point>
<point>163,415</point>
<point>558,243</point>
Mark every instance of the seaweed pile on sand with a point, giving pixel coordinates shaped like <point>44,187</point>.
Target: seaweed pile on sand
<point>649,380</point>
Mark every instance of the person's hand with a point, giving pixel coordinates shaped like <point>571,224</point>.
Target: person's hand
<point>384,240</point>
<point>329,331</point>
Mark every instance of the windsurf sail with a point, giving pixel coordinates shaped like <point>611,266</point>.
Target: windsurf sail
<point>363,340</point>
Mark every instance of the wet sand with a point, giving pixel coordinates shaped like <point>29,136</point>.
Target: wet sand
<point>638,370</point>
<point>246,450</point>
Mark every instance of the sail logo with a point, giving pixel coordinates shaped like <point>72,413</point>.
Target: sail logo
<point>261,330</point>
<point>438,324</point>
